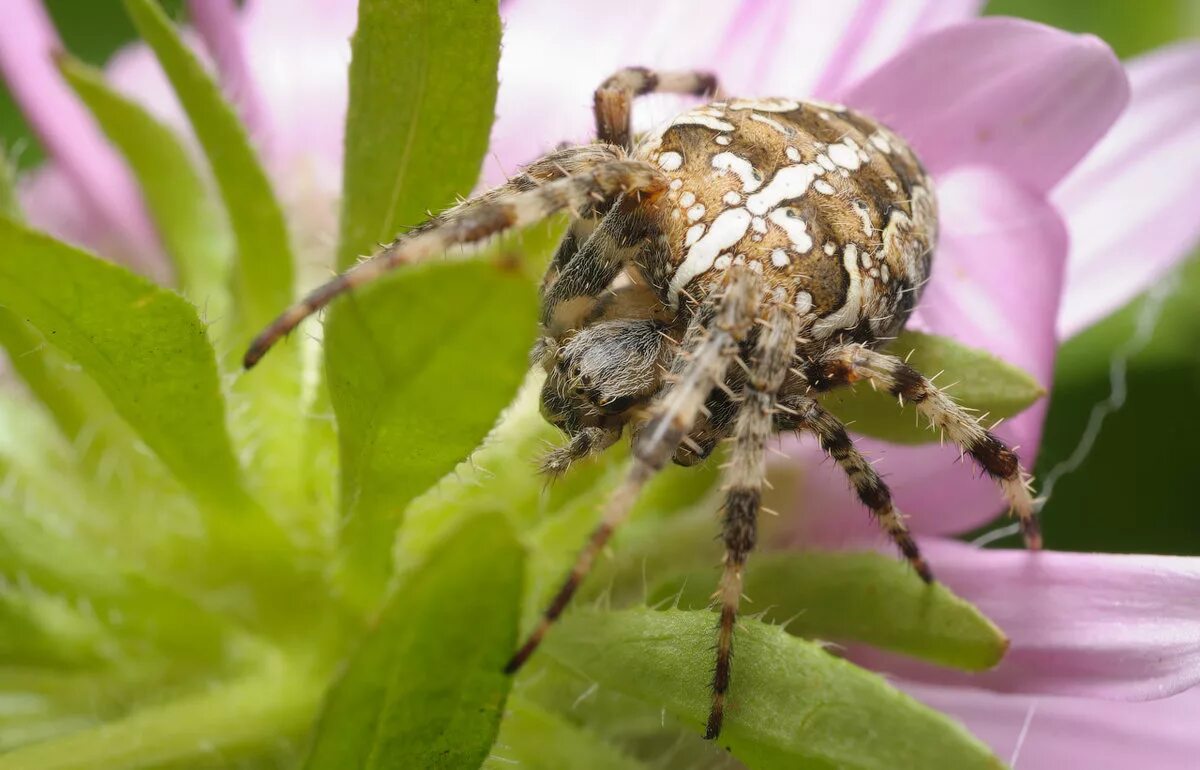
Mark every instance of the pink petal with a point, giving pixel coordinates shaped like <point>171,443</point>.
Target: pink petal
<point>217,23</point>
<point>298,54</point>
<point>1025,98</point>
<point>996,283</point>
<point>1094,625</point>
<point>1053,733</point>
<point>783,51</point>
<point>880,29</point>
<point>1131,205</point>
<point>757,47</point>
<point>117,223</point>
<point>547,76</point>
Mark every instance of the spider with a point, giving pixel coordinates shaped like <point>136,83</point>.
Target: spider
<point>717,273</point>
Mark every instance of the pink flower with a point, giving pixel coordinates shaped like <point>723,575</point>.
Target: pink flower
<point>1038,242</point>
<point>1055,212</point>
<point>283,64</point>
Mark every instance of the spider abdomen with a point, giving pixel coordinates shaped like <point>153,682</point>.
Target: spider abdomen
<point>830,206</point>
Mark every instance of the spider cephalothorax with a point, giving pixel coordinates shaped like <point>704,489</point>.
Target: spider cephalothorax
<point>715,274</point>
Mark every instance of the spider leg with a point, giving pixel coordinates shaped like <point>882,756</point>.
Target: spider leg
<point>613,101</point>
<point>853,362</point>
<point>587,441</point>
<point>628,234</point>
<point>801,413</point>
<point>710,344</point>
<point>574,181</point>
<point>745,477</point>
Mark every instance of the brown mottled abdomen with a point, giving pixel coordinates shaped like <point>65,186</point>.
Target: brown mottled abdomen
<point>831,206</point>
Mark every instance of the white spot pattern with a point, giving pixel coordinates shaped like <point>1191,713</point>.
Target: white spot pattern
<point>765,105</point>
<point>748,214</point>
<point>708,121</point>
<point>846,315</point>
<point>727,229</point>
<point>775,124</point>
<point>670,161</point>
<point>789,182</point>
<point>845,154</point>
<point>795,227</point>
<point>804,302</point>
<point>727,161</point>
<point>864,214</point>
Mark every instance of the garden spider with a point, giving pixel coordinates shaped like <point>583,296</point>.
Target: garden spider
<point>716,274</point>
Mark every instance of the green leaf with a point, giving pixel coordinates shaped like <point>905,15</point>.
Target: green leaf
<point>1129,29</point>
<point>264,256</point>
<point>533,738</point>
<point>143,345</point>
<point>40,367</point>
<point>263,269</point>
<point>38,463</point>
<point>39,631</point>
<point>792,704</point>
<point>422,97</point>
<point>9,205</point>
<point>555,542</point>
<point>980,381</point>
<point>43,373</point>
<point>67,394</point>
<point>190,223</point>
<point>419,366</point>
<point>265,706</point>
<point>863,597</point>
<point>426,688</point>
<point>129,604</point>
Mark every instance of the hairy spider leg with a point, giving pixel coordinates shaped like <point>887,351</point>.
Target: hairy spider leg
<point>618,364</point>
<point>612,103</point>
<point>854,362</point>
<point>745,478</point>
<point>627,234</point>
<point>801,413</point>
<point>571,180</point>
<point>709,346</point>
<point>586,442</point>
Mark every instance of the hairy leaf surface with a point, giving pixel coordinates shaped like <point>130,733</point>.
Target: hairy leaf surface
<point>422,96</point>
<point>142,344</point>
<point>863,597</point>
<point>426,688</point>
<point>792,704</point>
<point>425,362</point>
